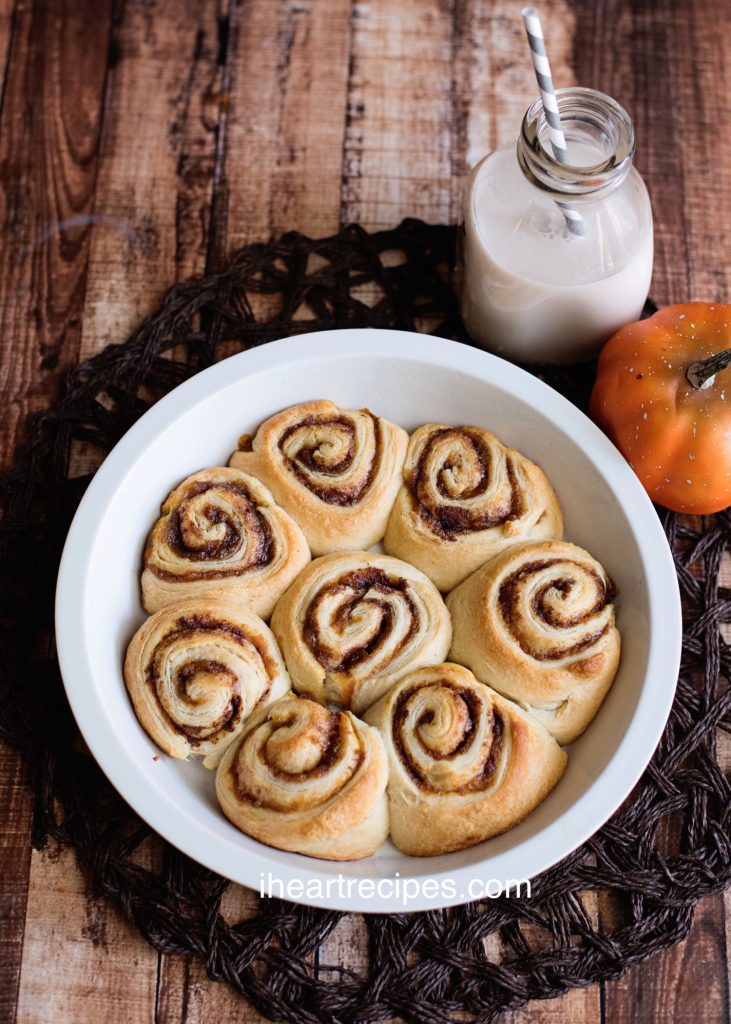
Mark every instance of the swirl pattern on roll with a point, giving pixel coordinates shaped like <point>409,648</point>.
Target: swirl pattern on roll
<point>449,738</point>
<point>354,623</point>
<point>538,623</point>
<point>335,470</point>
<point>556,608</point>
<point>334,455</point>
<point>466,496</point>
<point>465,480</point>
<point>306,779</point>
<point>221,529</point>
<point>197,669</point>
<point>464,763</point>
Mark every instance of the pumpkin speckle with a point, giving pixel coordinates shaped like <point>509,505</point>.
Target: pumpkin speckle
<point>664,345</point>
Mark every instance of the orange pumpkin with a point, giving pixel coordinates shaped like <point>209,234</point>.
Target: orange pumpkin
<point>672,426</point>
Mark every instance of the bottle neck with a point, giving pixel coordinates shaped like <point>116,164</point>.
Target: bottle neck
<point>600,141</point>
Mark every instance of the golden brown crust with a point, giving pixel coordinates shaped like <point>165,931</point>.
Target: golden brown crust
<point>465,763</point>
<point>465,497</point>
<point>335,470</point>
<point>305,779</point>
<point>353,623</point>
<point>197,669</point>
<point>537,623</point>
<point>221,530</point>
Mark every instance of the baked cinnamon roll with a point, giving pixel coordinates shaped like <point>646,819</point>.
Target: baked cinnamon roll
<point>221,530</point>
<point>353,623</point>
<point>465,764</point>
<point>309,780</point>
<point>197,669</point>
<point>537,623</point>
<point>335,470</point>
<point>465,497</point>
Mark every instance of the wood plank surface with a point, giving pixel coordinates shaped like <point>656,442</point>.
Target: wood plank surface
<point>152,207</point>
<point>287,114</point>
<point>83,961</point>
<point>397,153</point>
<point>151,217</point>
<point>665,988</point>
<point>49,141</point>
<point>140,141</point>
<point>673,133</point>
<point>54,68</point>
<point>15,795</point>
<point>16,801</point>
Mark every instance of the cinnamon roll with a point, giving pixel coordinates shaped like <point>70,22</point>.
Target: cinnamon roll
<point>335,470</point>
<point>465,763</point>
<point>305,779</point>
<point>537,623</point>
<point>353,623</point>
<point>221,530</point>
<point>195,671</point>
<point>465,497</point>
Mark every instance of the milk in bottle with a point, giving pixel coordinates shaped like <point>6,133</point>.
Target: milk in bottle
<point>531,290</point>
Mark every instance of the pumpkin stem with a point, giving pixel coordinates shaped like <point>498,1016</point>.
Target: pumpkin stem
<point>701,373</point>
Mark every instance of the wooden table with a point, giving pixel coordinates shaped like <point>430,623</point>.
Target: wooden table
<point>140,141</point>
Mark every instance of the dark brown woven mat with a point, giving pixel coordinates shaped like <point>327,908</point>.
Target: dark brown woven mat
<point>626,893</point>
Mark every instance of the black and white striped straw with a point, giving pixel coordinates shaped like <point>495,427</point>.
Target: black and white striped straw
<point>557,138</point>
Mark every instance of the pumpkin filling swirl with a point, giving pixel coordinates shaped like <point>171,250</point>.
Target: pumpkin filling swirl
<point>450,739</point>
<point>206,674</point>
<point>334,457</point>
<point>555,608</point>
<point>363,618</point>
<point>463,484</point>
<point>297,759</point>
<point>215,532</point>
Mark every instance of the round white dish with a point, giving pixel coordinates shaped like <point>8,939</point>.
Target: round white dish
<point>410,379</point>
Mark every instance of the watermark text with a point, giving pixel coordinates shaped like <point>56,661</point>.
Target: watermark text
<point>394,888</point>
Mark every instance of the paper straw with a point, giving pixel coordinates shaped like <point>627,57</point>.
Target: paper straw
<point>556,136</point>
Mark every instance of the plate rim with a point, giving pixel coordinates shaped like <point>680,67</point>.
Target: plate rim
<point>604,794</point>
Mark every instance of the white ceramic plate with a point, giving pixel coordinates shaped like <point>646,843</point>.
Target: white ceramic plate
<point>411,379</point>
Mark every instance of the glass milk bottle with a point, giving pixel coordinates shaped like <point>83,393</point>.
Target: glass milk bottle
<point>531,290</point>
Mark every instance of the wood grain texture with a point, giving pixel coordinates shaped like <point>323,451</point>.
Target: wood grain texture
<point>52,86</point>
<point>16,801</point>
<point>684,983</point>
<point>151,215</point>
<point>15,795</point>
<point>284,138</point>
<point>141,143</point>
<point>82,961</point>
<point>7,11</point>
<point>187,996</point>
<point>492,83</point>
<point>49,135</point>
<point>397,152</point>
<point>727,920</point>
<point>345,949</point>
<point>675,83</point>
<point>579,1006</point>
<point>675,116</point>
<point>152,206</point>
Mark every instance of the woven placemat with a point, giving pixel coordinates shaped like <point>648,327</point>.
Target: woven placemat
<point>626,893</point>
